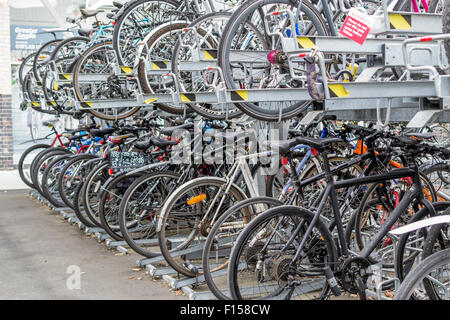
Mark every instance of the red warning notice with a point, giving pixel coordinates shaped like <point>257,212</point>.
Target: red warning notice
<point>355,29</point>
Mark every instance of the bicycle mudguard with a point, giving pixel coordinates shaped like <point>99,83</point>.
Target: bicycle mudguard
<point>148,167</point>
<point>421,224</point>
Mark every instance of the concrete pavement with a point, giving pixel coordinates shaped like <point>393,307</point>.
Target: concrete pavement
<point>40,254</point>
<point>10,180</point>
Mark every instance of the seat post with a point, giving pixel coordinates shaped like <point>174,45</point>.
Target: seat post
<point>326,165</point>
<point>334,202</point>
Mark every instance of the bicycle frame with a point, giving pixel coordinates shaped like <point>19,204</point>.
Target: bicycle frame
<point>330,192</point>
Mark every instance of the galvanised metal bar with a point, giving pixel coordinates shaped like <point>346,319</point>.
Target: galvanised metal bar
<point>339,91</point>
<point>414,23</point>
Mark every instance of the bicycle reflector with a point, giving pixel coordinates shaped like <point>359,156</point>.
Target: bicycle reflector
<point>196,199</point>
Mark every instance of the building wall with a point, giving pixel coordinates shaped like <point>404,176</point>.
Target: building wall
<point>6,125</point>
<point>40,16</point>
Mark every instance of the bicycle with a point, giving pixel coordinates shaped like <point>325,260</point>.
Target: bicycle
<point>308,249</point>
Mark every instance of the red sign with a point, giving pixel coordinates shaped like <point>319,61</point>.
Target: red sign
<point>354,29</point>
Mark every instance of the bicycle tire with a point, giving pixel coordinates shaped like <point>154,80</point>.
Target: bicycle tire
<point>124,210</point>
<point>209,240</point>
<point>22,72</point>
<point>21,163</point>
<point>166,211</point>
<point>78,207</point>
<point>240,15</point>
<point>129,111</point>
<point>125,12</point>
<point>415,277</point>
<point>38,56</point>
<point>402,266</point>
<point>35,174</point>
<point>61,183</point>
<point>142,70</point>
<point>91,212</point>
<point>105,198</point>
<point>45,177</point>
<point>282,211</point>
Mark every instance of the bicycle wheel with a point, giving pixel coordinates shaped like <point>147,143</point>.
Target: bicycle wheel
<point>204,36</point>
<point>109,202</point>
<point>260,259</point>
<point>373,213</point>
<point>186,218</point>
<point>434,268</point>
<point>50,180</point>
<point>140,208</point>
<point>446,27</point>
<point>410,246</point>
<point>100,59</point>
<point>437,240</point>
<point>256,71</point>
<point>71,175</point>
<point>78,206</point>
<point>63,60</point>
<point>42,57</point>
<point>159,47</point>
<point>41,165</point>
<point>136,20</point>
<point>91,189</point>
<point>222,237</point>
<point>25,161</point>
<point>38,157</point>
<point>439,175</point>
<point>25,67</point>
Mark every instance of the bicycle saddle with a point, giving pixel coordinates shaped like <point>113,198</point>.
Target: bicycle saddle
<point>318,143</point>
<point>170,130</point>
<point>119,139</point>
<point>361,131</point>
<point>84,32</point>
<point>404,141</point>
<point>49,123</point>
<point>117,4</point>
<point>90,13</point>
<point>143,145</point>
<point>161,143</point>
<point>426,136</point>
<point>101,132</point>
<point>76,137</point>
<point>284,146</point>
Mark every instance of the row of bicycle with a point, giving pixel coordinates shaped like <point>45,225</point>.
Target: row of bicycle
<point>269,60</point>
<point>311,216</point>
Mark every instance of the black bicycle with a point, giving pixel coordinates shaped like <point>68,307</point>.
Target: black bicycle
<point>290,252</point>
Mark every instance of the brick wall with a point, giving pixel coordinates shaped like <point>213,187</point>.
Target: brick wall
<point>6,134</point>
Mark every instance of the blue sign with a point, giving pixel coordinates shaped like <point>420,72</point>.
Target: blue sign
<point>29,38</point>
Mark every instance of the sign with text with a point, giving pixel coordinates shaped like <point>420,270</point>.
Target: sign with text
<point>356,27</point>
<point>29,38</point>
